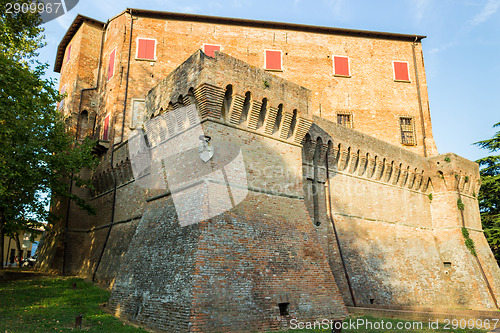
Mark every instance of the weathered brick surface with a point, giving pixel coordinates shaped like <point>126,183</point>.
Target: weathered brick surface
<point>395,239</point>
<point>371,95</point>
<point>229,272</point>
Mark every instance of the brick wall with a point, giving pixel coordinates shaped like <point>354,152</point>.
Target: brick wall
<point>278,245</point>
<point>401,246</point>
<point>371,95</point>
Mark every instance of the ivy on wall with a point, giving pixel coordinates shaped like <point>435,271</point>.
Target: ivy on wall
<point>469,243</point>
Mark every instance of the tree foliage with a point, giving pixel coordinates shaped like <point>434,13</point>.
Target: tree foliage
<point>489,195</point>
<point>37,155</point>
<point>20,34</point>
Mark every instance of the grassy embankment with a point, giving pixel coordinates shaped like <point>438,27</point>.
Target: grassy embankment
<point>50,304</point>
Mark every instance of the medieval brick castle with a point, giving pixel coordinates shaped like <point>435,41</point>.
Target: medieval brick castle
<point>345,200</point>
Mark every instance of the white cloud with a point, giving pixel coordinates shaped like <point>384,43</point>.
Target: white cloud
<point>488,10</point>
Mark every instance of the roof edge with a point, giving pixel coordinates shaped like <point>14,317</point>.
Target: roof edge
<point>275,25</point>
<point>228,21</point>
<point>73,28</point>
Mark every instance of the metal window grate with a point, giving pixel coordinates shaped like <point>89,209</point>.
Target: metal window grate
<point>407,131</point>
<point>344,120</point>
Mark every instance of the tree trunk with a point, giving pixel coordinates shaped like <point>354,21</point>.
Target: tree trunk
<point>2,222</point>
<point>19,251</point>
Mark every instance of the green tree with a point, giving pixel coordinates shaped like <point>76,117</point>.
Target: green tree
<point>37,155</point>
<point>489,195</point>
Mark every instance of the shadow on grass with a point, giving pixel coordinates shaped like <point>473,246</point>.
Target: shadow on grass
<point>51,304</point>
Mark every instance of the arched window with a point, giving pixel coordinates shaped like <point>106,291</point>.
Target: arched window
<point>181,115</point>
<point>246,108</point>
<point>279,115</point>
<point>306,149</point>
<point>180,101</point>
<point>226,104</point>
<point>293,124</point>
<point>190,96</point>
<point>317,186</point>
<point>262,113</point>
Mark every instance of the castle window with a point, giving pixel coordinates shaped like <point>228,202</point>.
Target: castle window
<point>272,60</point>
<point>284,309</point>
<point>401,72</point>
<point>407,131</point>
<point>341,66</point>
<point>209,49</point>
<point>68,54</point>
<point>111,64</point>
<point>344,119</point>
<point>137,116</point>
<point>146,49</point>
<point>105,129</point>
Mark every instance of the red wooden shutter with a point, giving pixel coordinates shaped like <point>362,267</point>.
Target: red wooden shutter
<point>146,49</point>
<point>150,49</point>
<point>105,129</point>
<point>141,49</point>
<point>341,65</point>
<point>401,71</point>
<point>273,59</point>
<point>68,56</point>
<point>111,65</point>
<point>210,49</point>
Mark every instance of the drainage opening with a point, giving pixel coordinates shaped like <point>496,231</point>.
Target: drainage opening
<point>283,309</point>
<point>447,264</point>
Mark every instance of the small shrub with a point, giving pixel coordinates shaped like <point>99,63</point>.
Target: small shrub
<point>465,233</point>
<point>469,243</point>
<point>430,196</point>
<point>447,159</point>
<point>460,204</point>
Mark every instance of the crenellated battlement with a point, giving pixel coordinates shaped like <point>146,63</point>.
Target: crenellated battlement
<point>451,172</point>
<point>261,103</point>
<point>347,151</point>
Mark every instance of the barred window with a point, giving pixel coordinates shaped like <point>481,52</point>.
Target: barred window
<point>407,131</point>
<point>344,119</point>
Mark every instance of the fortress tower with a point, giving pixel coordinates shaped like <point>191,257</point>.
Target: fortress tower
<point>281,172</point>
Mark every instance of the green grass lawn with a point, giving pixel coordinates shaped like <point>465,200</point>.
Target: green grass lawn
<point>50,304</point>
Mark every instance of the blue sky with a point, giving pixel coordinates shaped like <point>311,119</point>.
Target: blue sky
<point>461,51</point>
